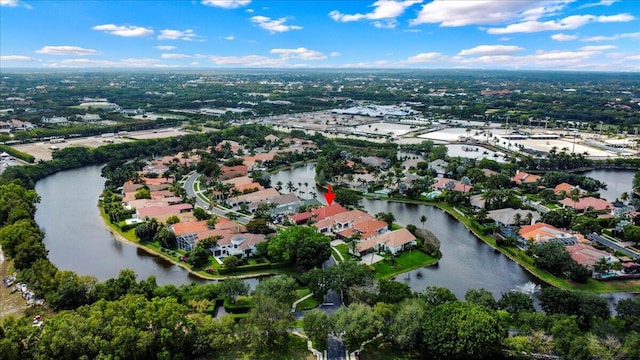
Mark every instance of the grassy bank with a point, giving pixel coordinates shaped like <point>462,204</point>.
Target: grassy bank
<point>407,261</point>
<point>527,262</point>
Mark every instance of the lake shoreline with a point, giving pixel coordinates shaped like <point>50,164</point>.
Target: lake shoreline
<point>560,283</point>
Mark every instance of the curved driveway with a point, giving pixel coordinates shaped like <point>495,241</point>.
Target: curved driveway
<point>189,187</point>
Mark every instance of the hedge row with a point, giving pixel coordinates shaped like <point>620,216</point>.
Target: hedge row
<point>18,154</point>
<point>254,267</point>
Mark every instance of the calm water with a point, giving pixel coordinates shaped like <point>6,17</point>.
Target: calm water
<point>618,181</point>
<point>78,240</point>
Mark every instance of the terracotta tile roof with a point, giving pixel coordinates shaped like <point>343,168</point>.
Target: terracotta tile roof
<point>157,181</point>
<point>587,202</point>
<point>239,181</point>
<point>525,178</point>
<point>367,229</point>
<point>251,186</point>
<point>189,227</point>
<point>326,211</point>
<point>150,212</point>
<point>391,239</point>
<point>229,172</point>
<point>543,232</point>
<point>441,184</point>
<point>396,238</point>
<point>566,187</point>
<point>586,255</point>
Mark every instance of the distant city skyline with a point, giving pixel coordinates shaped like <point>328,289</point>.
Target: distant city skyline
<point>599,35</point>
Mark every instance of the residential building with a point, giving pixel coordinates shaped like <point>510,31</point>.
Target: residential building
<point>318,214</point>
<point>589,256</point>
<point>55,120</point>
<point>439,166</point>
<point>365,229</point>
<point>521,178</point>
<point>375,161</point>
<point>508,216</point>
<point>451,185</point>
<point>228,172</point>
<point>90,117</point>
<point>341,221</point>
<point>543,232</point>
<point>153,211</point>
<point>585,203</point>
<point>260,195</point>
<point>395,241</point>
<point>564,189</point>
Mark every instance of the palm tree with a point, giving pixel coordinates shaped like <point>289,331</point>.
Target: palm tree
<point>624,196</point>
<point>529,218</point>
<point>423,219</point>
<point>465,181</point>
<point>306,187</point>
<point>575,196</point>
<point>279,186</point>
<point>517,219</point>
<point>290,187</point>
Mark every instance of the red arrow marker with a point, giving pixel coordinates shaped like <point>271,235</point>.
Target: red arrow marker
<point>329,195</point>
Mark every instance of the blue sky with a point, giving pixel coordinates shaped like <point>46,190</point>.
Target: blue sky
<point>597,35</point>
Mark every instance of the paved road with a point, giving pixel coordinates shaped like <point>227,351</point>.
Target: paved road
<point>606,242</point>
<point>336,349</point>
<point>191,192</point>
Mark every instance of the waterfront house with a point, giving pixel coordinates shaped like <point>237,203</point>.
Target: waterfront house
<point>341,221</point>
<point>394,241</point>
<point>153,211</point>
<point>542,232</point>
<point>318,214</point>
<point>365,229</point>
<point>564,189</point>
<point>589,256</point>
<point>585,203</point>
<point>508,216</point>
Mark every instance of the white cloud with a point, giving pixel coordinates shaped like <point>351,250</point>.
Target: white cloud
<point>274,25</point>
<point>186,35</point>
<point>568,23</point>
<point>635,35</point>
<point>66,50</point>
<point>248,60</point>
<point>504,38</point>
<point>598,48</point>
<point>385,12</point>
<point>230,37</point>
<point>124,31</point>
<point>600,3</point>
<point>123,63</point>
<point>563,37</point>
<point>426,57</point>
<point>226,4</point>
<point>484,12</point>
<point>175,56</point>
<point>334,54</point>
<point>299,53</point>
<point>490,50</point>
<point>17,58</point>
<point>14,3</point>
<point>165,47</point>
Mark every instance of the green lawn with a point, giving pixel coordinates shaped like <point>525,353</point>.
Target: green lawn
<point>344,251</point>
<point>408,260</point>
